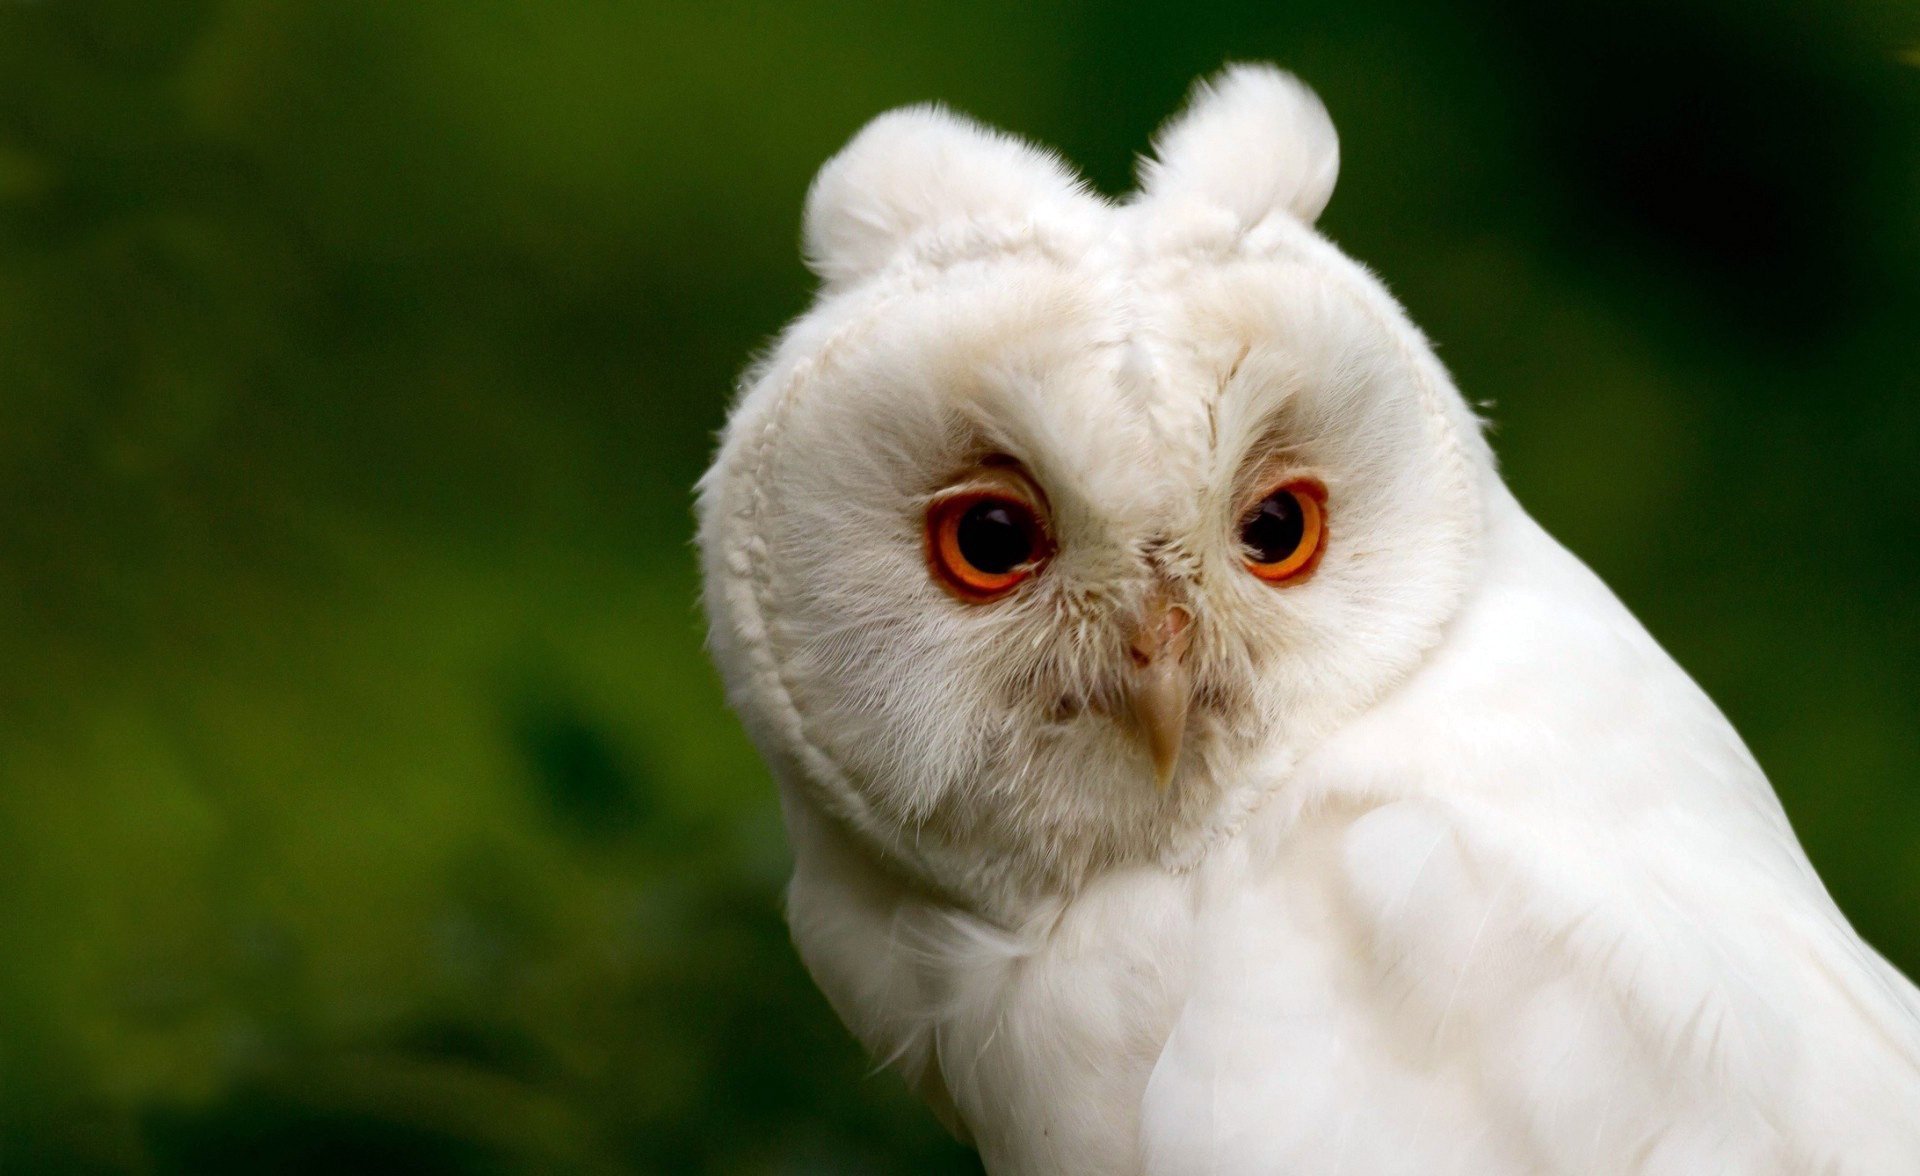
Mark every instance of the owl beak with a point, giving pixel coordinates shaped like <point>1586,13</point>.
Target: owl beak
<point>1160,687</point>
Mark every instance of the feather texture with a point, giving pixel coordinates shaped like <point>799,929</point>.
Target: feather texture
<point>1456,870</point>
<point>1528,920</point>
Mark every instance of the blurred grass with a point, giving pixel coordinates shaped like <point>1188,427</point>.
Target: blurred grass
<point>366,803</point>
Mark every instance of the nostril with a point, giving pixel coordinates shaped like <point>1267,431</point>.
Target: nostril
<point>1162,634</point>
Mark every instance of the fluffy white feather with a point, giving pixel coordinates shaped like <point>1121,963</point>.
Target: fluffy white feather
<point>1456,872</point>
<point>915,171</point>
<point>1254,141</point>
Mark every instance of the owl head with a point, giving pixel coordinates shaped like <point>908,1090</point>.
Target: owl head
<point>1059,528</point>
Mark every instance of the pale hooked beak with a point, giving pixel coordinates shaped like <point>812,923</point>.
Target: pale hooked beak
<point>1159,686</point>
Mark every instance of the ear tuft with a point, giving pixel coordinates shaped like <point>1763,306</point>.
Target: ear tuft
<point>915,169</point>
<point>1253,140</point>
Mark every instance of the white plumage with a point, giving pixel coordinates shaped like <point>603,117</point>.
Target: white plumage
<point>1423,859</point>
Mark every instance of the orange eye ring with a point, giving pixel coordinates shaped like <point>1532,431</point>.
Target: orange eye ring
<point>1282,537</point>
<point>981,544</point>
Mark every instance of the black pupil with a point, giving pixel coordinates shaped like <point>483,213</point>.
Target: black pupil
<point>1274,531</point>
<point>993,537</point>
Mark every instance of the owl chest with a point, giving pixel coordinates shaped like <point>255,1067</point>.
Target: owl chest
<point>1036,1043</point>
<point>1047,1055</point>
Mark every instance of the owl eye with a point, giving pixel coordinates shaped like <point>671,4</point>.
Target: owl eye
<point>1281,537</point>
<point>980,544</point>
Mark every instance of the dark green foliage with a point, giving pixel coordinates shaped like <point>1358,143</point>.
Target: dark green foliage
<point>366,802</point>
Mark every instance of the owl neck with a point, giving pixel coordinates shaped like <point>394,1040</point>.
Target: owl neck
<point>1006,880</point>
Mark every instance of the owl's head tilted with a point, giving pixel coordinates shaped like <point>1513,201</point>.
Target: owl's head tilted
<point>1058,528</point>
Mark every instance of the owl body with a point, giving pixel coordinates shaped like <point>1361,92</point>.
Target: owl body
<point>1194,758</point>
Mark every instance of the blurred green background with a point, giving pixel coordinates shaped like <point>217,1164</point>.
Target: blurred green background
<point>366,802</point>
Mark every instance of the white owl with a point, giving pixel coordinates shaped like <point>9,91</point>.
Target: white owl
<point>1195,760</point>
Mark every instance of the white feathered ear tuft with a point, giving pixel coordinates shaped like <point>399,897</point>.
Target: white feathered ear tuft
<point>919,168</point>
<point>1252,140</point>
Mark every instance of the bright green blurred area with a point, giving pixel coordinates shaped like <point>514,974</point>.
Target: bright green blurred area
<point>366,802</point>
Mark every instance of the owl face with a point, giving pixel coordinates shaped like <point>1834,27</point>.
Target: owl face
<point>1058,529</point>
